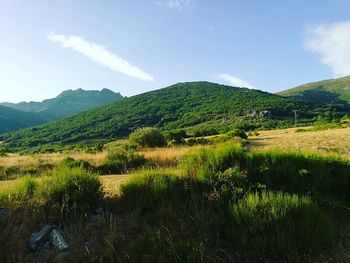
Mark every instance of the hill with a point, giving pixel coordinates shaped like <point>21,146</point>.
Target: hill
<point>11,119</point>
<point>200,107</point>
<point>67,103</point>
<point>326,91</point>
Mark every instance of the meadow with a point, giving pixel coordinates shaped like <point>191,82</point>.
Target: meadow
<point>228,200</point>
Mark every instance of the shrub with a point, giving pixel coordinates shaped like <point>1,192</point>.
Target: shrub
<point>197,141</point>
<point>71,188</point>
<point>149,188</point>
<point>122,160</point>
<point>236,133</point>
<point>176,137</point>
<point>29,187</point>
<point>278,223</point>
<point>70,162</point>
<point>147,137</point>
<point>284,171</point>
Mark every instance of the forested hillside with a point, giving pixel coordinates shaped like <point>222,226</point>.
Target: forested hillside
<point>326,91</point>
<point>195,105</point>
<point>11,119</point>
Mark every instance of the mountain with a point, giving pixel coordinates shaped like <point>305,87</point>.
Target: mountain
<point>11,119</point>
<point>194,105</point>
<point>326,91</point>
<point>67,103</point>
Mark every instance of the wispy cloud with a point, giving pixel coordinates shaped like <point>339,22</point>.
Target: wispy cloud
<point>332,43</point>
<point>234,81</point>
<point>176,4</point>
<point>100,55</point>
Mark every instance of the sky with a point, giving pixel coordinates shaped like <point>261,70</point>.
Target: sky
<point>135,46</point>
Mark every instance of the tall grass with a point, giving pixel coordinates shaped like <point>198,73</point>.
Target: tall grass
<point>65,188</point>
<point>284,171</point>
<point>277,223</point>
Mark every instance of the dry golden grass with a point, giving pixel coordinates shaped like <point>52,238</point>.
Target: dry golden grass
<point>111,183</point>
<point>329,141</point>
<point>34,160</point>
<point>165,156</point>
<point>168,156</point>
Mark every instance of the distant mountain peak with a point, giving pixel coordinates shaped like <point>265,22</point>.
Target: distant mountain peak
<point>67,103</point>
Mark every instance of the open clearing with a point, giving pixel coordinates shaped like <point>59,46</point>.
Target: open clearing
<point>329,141</point>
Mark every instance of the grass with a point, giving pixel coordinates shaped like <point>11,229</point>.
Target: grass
<point>65,188</point>
<point>276,223</point>
<point>222,203</point>
<point>323,142</point>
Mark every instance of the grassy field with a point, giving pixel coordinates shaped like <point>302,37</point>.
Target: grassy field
<point>268,198</point>
<point>329,141</point>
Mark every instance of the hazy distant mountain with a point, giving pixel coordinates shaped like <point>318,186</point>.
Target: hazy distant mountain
<point>11,119</point>
<point>325,91</point>
<point>67,103</point>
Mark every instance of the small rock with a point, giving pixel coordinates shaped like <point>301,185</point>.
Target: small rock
<point>38,238</point>
<point>58,241</point>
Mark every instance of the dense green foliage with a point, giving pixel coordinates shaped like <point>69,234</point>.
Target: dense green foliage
<point>198,106</point>
<point>334,91</point>
<point>11,119</point>
<point>67,103</point>
<point>147,137</point>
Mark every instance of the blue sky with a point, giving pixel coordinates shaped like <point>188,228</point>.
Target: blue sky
<point>135,46</point>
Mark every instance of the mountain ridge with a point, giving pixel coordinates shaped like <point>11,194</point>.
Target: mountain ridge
<point>67,103</point>
<point>325,91</point>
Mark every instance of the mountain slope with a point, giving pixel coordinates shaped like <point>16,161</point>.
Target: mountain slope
<point>326,91</point>
<point>11,119</point>
<point>178,106</point>
<point>67,103</point>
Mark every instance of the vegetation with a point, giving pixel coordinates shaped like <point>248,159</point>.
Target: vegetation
<point>222,203</point>
<point>201,108</point>
<point>277,223</point>
<point>334,91</point>
<point>121,160</point>
<point>64,189</point>
<point>147,137</point>
<point>11,120</point>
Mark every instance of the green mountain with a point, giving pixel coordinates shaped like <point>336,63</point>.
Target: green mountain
<point>195,106</point>
<point>326,91</point>
<point>11,119</point>
<point>67,103</point>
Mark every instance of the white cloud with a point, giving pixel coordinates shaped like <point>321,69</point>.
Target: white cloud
<point>234,81</point>
<point>332,43</point>
<point>176,4</point>
<point>100,55</point>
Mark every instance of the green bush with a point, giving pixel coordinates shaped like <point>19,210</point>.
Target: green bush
<point>121,160</point>
<point>71,188</point>
<point>326,176</point>
<point>147,137</point>
<point>149,188</point>
<point>176,137</point>
<point>236,133</point>
<point>278,223</point>
<point>70,162</point>
<point>29,187</point>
